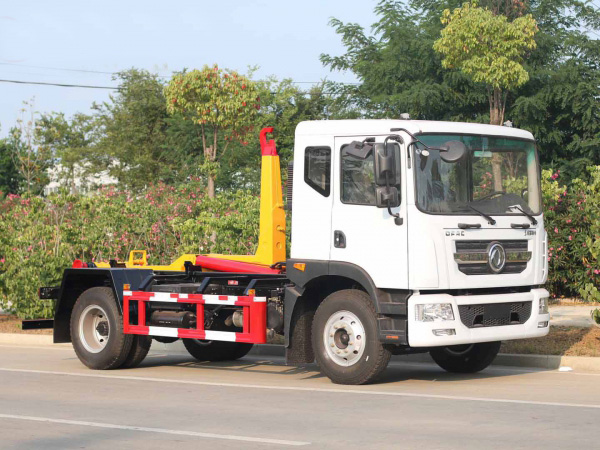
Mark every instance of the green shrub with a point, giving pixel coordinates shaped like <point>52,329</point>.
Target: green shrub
<point>572,220</point>
<point>40,237</point>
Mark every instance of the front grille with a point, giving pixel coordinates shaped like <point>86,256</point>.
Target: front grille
<point>471,256</point>
<point>484,269</point>
<point>494,314</point>
<point>481,246</point>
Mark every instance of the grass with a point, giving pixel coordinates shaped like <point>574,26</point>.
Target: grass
<point>12,324</point>
<point>567,341</point>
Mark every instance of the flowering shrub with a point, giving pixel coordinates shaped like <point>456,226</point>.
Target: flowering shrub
<point>572,216</point>
<point>40,237</point>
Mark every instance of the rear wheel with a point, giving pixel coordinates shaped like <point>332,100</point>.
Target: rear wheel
<point>216,350</point>
<point>97,330</point>
<point>139,349</point>
<point>468,358</point>
<point>345,341</point>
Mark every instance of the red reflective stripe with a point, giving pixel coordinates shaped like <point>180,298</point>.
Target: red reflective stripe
<point>255,316</point>
<point>190,333</point>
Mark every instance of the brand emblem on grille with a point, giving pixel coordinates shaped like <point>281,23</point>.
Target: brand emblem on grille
<point>496,257</point>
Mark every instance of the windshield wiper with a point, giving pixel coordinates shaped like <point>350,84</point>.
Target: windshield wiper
<point>529,216</point>
<point>489,218</point>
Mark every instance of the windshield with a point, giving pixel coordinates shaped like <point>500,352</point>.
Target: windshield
<point>498,175</point>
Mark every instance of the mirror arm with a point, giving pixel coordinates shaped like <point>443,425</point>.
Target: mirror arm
<point>393,137</point>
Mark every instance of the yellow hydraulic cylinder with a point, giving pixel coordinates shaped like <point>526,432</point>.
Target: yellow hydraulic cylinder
<point>271,240</point>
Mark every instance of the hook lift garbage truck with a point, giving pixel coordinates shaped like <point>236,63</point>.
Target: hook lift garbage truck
<point>407,236</point>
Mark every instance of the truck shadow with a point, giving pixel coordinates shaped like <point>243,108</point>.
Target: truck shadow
<point>397,371</point>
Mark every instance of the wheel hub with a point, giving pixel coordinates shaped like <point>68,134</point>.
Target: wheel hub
<point>344,338</point>
<point>94,329</point>
<point>102,328</point>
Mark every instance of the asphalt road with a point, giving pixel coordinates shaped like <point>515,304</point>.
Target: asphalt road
<point>49,400</point>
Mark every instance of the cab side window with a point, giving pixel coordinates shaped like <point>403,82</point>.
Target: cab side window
<point>317,169</point>
<point>358,179</point>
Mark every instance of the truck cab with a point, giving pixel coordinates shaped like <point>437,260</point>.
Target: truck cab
<point>457,258</point>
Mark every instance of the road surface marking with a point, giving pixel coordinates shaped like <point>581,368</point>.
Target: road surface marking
<point>155,430</point>
<point>306,389</point>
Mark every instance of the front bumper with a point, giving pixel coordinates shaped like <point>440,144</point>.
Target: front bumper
<point>420,334</point>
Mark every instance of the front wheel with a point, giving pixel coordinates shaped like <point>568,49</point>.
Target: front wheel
<point>345,340</point>
<point>468,358</point>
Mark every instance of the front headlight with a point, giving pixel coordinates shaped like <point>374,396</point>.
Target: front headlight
<point>543,306</point>
<point>431,312</point>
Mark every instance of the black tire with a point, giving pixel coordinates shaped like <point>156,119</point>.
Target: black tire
<point>117,345</point>
<point>140,347</point>
<point>468,358</point>
<point>373,360</point>
<point>216,350</point>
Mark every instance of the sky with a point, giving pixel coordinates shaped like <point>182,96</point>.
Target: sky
<point>284,38</point>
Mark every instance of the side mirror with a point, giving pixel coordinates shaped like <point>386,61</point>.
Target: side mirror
<point>387,197</point>
<point>386,164</point>
<point>360,150</point>
<point>453,151</point>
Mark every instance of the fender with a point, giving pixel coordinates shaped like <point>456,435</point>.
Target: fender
<point>75,281</point>
<point>389,303</point>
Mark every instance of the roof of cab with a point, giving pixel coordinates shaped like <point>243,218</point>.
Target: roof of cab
<point>359,127</point>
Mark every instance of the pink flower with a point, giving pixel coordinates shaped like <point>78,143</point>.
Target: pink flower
<point>555,229</point>
<point>596,271</point>
<point>2,260</point>
<point>570,238</point>
<point>568,220</point>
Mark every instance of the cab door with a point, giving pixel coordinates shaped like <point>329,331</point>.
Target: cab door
<point>362,233</point>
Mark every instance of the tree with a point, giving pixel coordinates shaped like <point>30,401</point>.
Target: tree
<point>29,158</point>
<point>222,103</point>
<point>9,175</point>
<point>70,142</point>
<point>133,126</point>
<point>400,72</point>
<point>489,49</point>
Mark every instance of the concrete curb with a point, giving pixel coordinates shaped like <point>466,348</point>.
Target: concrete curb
<point>504,359</point>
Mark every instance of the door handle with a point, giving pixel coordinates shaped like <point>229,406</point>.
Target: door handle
<point>339,239</point>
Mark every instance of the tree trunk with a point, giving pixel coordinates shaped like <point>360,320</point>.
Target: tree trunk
<point>211,186</point>
<point>496,118</point>
<point>209,155</point>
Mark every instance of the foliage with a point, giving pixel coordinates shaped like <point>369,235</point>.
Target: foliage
<point>573,226</point>
<point>40,237</point>
<point>487,48</point>
<point>222,103</point>
<point>400,72</point>
<point>30,159</point>
<point>9,175</point>
<point>133,132</point>
<point>69,142</point>
<point>596,316</point>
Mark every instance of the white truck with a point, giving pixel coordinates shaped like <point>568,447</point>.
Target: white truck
<point>407,236</point>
